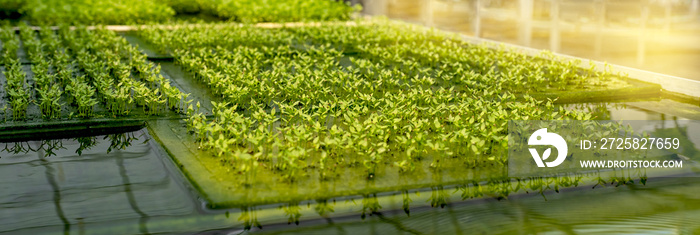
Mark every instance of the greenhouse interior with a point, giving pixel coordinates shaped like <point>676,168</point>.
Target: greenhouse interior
<point>350,116</point>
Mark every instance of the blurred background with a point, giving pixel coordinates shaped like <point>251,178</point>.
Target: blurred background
<point>661,36</point>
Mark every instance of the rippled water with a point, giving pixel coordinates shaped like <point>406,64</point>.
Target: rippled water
<point>668,206</point>
<point>76,184</point>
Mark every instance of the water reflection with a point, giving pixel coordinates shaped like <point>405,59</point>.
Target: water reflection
<point>56,193</point>
<point>129,193</point>
<point>249,218</point>
<point>665,207</point>
<point>84,183</point>
<point>49,147</point>
<point>377,205</point>
<point>85,143</point>
<point>323,208</point>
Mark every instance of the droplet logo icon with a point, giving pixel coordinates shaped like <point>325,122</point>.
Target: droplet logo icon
<point>541,137</point>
